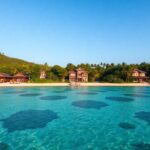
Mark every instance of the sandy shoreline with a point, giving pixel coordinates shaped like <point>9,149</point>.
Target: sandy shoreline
<point>67,84</point>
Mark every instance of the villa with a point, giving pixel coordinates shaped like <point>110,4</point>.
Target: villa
<point>78,75</point>
<point>20,77</point>
<point>5,77</point>
<point>139,76</point>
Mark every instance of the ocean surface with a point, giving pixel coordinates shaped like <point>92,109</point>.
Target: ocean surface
<point>65,118</point>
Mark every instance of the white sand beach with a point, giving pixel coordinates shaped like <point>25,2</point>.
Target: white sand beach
<point>67,84</point>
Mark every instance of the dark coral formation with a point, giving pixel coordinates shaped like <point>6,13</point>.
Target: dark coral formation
<point>87,93</point>
<point>30,94</point>
<point>29,119</point>
<point>142,115</point>
<point>4,146</point>
<point>141,146</point>
<point>55,97</point>
<point>120,99</point>
<point>14,92</point>
<point>58,91</point>
<point>138,95</point>
<point>126,125</point>
<point>89,104</point>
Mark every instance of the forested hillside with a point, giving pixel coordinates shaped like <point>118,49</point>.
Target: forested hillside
<point>12,66</point>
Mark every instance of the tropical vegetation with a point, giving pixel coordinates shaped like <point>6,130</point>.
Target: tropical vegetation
<point>102,72</point>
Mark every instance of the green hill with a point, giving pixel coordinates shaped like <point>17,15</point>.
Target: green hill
<point>13,65</point>
<point>5,60</point>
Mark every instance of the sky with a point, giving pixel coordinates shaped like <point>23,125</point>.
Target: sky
<point>76,31</point>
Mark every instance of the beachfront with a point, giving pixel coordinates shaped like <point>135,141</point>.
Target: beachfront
<point>68,84</point>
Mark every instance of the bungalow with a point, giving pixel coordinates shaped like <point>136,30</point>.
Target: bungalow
<point>78,75</point>
<point>20,77</point>
<point>139,76</point>
<point>5,77</point>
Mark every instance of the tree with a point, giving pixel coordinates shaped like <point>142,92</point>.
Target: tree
<point>60,72</point>
<point>70,67</point>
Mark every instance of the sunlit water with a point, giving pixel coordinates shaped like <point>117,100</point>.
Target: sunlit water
<point>63,118</point>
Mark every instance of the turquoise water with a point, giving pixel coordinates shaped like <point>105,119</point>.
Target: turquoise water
<point>63,118</point>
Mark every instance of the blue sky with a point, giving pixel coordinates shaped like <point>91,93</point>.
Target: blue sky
<point>77,31</point>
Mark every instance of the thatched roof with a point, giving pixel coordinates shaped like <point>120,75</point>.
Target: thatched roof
<point>20,75</point>
<point>5,75</point>
<point>71,72</point>
<point>140,71</point>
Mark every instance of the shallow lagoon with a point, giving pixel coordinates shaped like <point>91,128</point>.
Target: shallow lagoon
<point>70,119</point>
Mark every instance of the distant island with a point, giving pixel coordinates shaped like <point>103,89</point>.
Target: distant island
<point>103,72</point>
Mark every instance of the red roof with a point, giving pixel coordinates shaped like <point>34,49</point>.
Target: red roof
<point>140,71</point>
<point>5,75</point>
<point>20,75</point>
<point>72,72</point>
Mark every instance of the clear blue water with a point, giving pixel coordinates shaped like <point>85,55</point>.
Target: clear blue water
<point>63,118</point>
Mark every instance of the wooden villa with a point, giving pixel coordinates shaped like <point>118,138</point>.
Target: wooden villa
<point>78,75</point>
<point>20,77</point>
<point>5,77</point>
<point>139,76</point>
